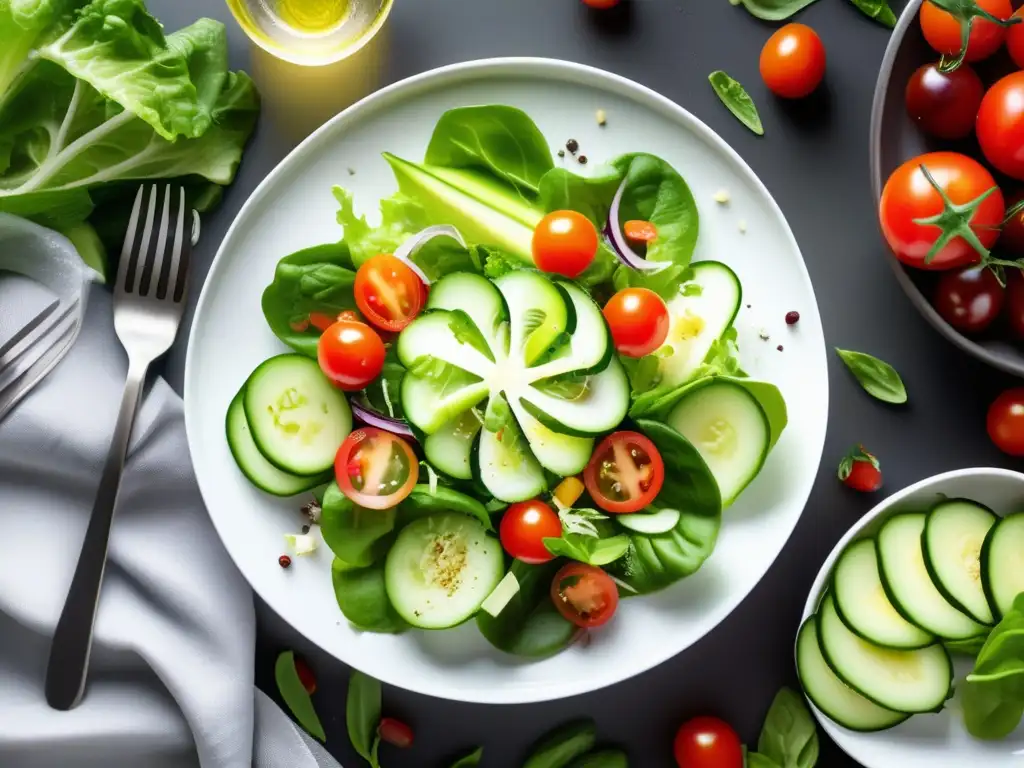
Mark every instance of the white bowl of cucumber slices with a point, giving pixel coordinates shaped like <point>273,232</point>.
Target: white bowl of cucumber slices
<point>911,649</point>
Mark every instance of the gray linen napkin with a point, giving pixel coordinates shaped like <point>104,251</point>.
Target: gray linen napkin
<point>171,681</point>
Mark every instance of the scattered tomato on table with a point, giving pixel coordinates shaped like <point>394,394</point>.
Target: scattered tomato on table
<point>707,742</point>
<point>793,61</point>
<point>395,733</point>
<point>860,471</point>
<point>1005,422</point>
<point>524,526</point>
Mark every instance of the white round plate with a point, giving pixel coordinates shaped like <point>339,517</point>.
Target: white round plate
<point>940,739</point>
<point>293,208</point>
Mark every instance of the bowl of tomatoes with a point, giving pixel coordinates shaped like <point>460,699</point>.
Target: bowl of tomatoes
<point>947,167</point>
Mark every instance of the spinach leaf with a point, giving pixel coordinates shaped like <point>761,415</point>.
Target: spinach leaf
<point>605,758</point>
<point>588,549</point>
<point>363,599</point>
<point>878,378</point>
<point>736,100</point>
<point>789,736</point>
<point>358,536</point>
<point>559,747</point>
<point>988,712</point>
<point>295,696</point>
<point>313,280</point>
<point>385,392</point>
<point>655,561</point>
<point>421,502</point>
<point>590,195</point>
<point>401,217</point>
<point>529,625</point>
<point>494,138</point>
<point>878,10</point>
<point>770,399</point>
<point>470,760</point>
<point>362,715</point>
<point>775,10</point>
<point>993,695</point>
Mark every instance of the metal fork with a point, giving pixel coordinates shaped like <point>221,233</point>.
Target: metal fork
<point>148,303</point>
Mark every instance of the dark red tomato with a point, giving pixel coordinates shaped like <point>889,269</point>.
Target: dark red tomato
<point>943,31</point>
<point>564,242</point>
<point>601,4</point>
<point>908,196</point>
<point>1015,302</point>
<point>707,742</point>
<point>793,61</point>
<point>524,526</point>
<point>625,473</point>
<point>351,354</point>
<point>1000,125</point>
<point>1012,239</point>
<point>944,104</point>
<point>388,292</point>
<point>584,594</point>
<point>1015,40</point>
<point>638,319</point>
<point>395,732</point>
<point>375,468</point>
<point>969,299</point>
<point>860,470</point>
<point>1006,422</point>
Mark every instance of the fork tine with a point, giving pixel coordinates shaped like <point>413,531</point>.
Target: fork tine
<point>154,259</point>
<point>140,253</point>
<point>178,276</point>
<point>129,240</point>
<point>14,346</point>
<point>12,392</point>
<point>30,353</point>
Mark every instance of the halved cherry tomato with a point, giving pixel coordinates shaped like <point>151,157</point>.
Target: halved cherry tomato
<point>625,473</point>
<point>640,231</point>
<point>1015,40</point>
<point>943,31</point>
<point>1000,126</point>
<point>638,319</point>
<point>969,299</point>
<point>707,742</point>
<point>375,469</point>
<point>524,526</point>
<point>944,104</point>
<point>793,61</point>
<point>350,354</point>
<point>388,292</point>
<point>564,242</point>
<point>1006,422</point>
<point>584,594</point>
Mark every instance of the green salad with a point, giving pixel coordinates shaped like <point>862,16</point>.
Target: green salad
<point>516,398</point>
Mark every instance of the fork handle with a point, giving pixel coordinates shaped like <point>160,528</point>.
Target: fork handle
<point>72,640</point>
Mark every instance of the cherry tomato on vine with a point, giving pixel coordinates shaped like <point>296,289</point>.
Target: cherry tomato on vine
<point>388,292</point>
<point>1006,422</point>
<point>351,354</point>
<point>944,104</point>
<point>584,594</point>
<point>942,30</point>
<point>969,299</point>
<point>1015,40</point>
<point>793,61</point>
<point>625,473</point>
<point>707,742</point>
<point>1000,125</point>
<point>376,469</point>
<point>1015,302</point>
<point>860,470</point>
<point>524,526</point>
<point>638,320</point>
<point>564,242</point>
<point>909,197</point>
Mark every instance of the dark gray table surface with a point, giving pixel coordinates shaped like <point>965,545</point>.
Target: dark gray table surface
<point>814,161</point>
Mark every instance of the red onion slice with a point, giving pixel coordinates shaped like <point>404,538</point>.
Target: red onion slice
<point>363,411</point>
<point>405,251</point>
<point>620,244</point>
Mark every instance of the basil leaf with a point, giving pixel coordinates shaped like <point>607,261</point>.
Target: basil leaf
<point>737,100</point>
<point>755,760</point>
<point>588,549</point>
<point>470,760</point>
<point>789,737</point>
<point>563,745</point>
<point>878,10</point>
<point>362,714</point>
<point>877,377</point>
<point>295,696</point>
<point>775,10</point>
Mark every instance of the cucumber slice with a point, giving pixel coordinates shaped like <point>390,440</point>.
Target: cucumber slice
<point>831,695</point>
<point>254,464</point>
<point>601,408</point>
<point>650,522</point>
<point>564,455</point>
<point>908,585</point>
<point>429,403</point>
<point>297,418</point>
<point>431,335</point>
<point>509,475</point>
<point>591,348</point>
<point>698,320</point>
<point>954,533</point>
<point>1002,563</point>
<point>863,605</point>
<point>440,569</point>
<point>538,312</point>
<point>904,681</point>
<point>448,449</point>
<point>477,297</point>
<point>729,427</point>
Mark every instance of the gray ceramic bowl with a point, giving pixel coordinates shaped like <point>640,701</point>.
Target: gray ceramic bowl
<point>895,139</point>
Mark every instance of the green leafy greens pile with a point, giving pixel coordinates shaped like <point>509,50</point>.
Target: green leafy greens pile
<point>94,96</point>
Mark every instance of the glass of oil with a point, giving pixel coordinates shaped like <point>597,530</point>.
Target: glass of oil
<point>311,32</point>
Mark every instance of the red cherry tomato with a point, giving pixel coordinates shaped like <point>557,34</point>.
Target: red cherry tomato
<point>524,526</point>
<point>638,319</point>
<point>1000,125</point>
<point>1012,239</point>
<point>375,469</point>
<point>306,676</point>
<point>860,470</point>
<point>601,5</point>
<point>584,594</point>
<point>564,242</point>
<point>351,354</point>
<point>944,104</point>
<point>1015,40</point>
<point>388,292</point>
<point>1015,302</point>
<point>969,299</point>
<point>909,196</point>
<point>1006,422</point>
<point>707,742</point>
<point>625,473</point>
<point>395,732</point>
<point>793,61</point>
<point>943,31</point>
